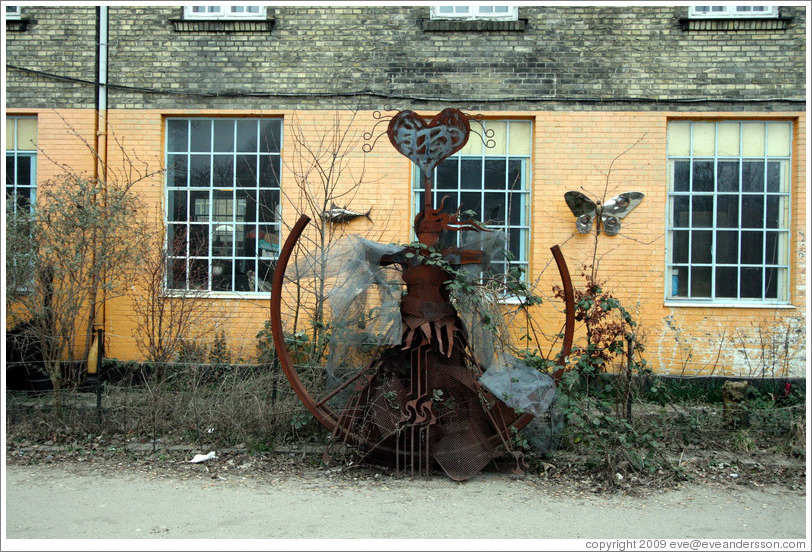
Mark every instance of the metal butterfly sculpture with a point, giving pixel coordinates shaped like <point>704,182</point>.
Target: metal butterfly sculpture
<point>610,212</point>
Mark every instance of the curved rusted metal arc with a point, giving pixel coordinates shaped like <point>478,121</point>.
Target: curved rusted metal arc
<point>319,410</point>
<point>569,327</point>
<point>569,306</point>
<point>282,352</point>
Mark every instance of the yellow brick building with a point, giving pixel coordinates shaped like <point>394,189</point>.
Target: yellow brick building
<point>715,289</point>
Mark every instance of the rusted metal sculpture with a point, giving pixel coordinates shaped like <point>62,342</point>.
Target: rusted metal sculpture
<point>420,403</point>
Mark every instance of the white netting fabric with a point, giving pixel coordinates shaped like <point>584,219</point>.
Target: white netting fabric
<point>519,385</point>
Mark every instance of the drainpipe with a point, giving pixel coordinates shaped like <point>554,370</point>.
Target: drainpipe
<point>102,86</point>
<point>102,117</point>
<point>97,321</point>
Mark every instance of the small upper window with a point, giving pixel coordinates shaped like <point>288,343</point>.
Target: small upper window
<point>223,11</point>
<point>732,11</point>
<point>13,12</point>
<point>468,11</point>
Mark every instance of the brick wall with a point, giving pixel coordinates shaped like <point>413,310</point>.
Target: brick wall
<point>596,81</point>
<point>58,41</point>
<point>562,57</point>
<point>572,150</point>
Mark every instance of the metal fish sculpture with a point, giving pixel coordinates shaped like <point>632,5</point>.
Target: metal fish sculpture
<point>340,215</point>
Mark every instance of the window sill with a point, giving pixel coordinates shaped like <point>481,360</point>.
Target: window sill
<point>736,24</point>
<point>728,305</point>
<point>204,295</point>
<point>476,25</point>
<point>223,25</point>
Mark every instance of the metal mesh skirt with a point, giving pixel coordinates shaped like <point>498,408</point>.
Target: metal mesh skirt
<point>419,407</point>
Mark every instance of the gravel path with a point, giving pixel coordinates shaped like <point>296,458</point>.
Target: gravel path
<point>67,502</point>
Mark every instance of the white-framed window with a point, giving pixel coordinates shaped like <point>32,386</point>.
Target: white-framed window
<point>490,183</point>
<point>505,12</point>
<point>224,11</point>
<point>222,203</point>
<point>728,211</point>
<point>21,162</point>
<point>13,12</point>
<point>21,195</point>
<point>732,11</point>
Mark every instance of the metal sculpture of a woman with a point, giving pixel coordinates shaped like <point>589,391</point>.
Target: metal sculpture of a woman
<point>419,400</point>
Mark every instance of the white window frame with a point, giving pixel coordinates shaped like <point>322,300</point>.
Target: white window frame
<point>732,11</point>
<point>212,209</point>
<point>783,295</point>
<point>523,191</point>
<point>16,152</point>
<point>475,11</point>
<point>224,11</point>
<point>13,12</point>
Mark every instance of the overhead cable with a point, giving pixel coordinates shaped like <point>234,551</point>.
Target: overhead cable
<point>404,96</point>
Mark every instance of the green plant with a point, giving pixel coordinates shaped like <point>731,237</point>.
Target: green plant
<point>219,353</point>
<point>191,352</point>
<point>743,441</point>
<point>299,421</point>
<point>519,441</point>
<point>259,446</point>
<point>596,393</point>
<point>266,352</point>
<point>614,445</point>
<point>608,326</point>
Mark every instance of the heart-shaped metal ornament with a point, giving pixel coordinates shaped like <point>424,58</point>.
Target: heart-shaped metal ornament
<point>428,144</point>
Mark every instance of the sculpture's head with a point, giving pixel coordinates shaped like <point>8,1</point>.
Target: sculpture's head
<point>428,225</point>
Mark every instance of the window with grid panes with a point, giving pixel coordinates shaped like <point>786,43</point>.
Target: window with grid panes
<point>728,211</point>
<point>491,182</point>
<point>21,162</point>
<point>222,203</point>
<point>21,181</point>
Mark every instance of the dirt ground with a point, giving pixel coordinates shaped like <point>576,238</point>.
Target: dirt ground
<point>70,495</point>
